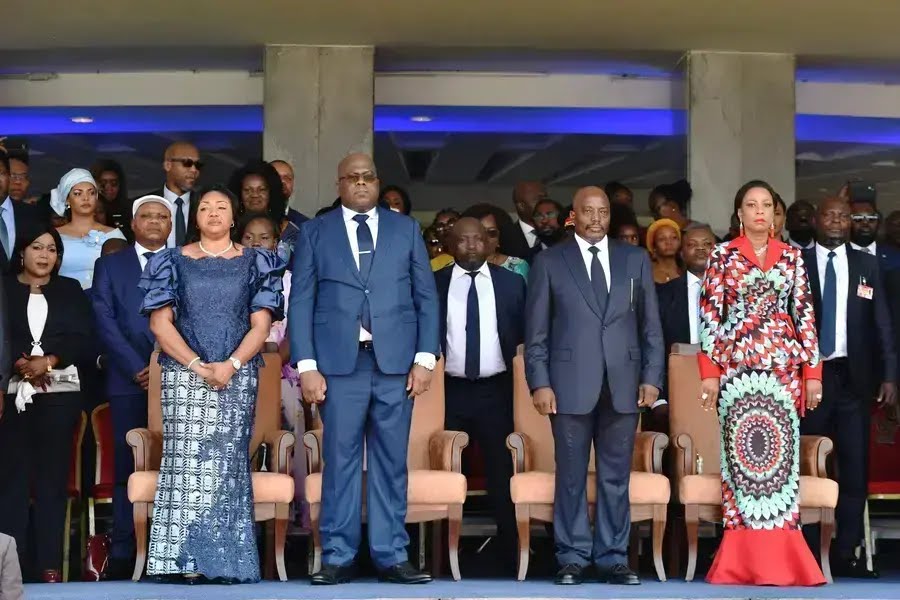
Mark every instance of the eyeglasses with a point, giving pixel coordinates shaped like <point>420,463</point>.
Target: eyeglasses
<point>865,218</point>
<point>354,178</point>
<point>19,176</point>
<point>187,163</point>
<point>493,233</point>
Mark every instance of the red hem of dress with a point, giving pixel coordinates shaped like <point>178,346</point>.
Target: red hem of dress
<point>764,557</point>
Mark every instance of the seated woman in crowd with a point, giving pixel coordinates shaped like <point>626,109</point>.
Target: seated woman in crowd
<point>396,198</point>
<point>211,305</point>
<point>113,190</point>
<point>258,230</point>
<point>442,224</point>
<point>83,237</point>
<point>259,189</point>
<point>499,228</point>
<point>664,243</point>
<point>623,224</point>
<point>50,325</point>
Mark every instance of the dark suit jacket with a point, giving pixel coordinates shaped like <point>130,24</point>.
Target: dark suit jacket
<point>573,348</point>
<point>327,295</point>
<point>518,245</point>
<point>26,216</point>
<point>509,297</point>
<point>674,317</point>
<point>68,333</point>
<point>870,341</point>
<point>5,356</point>
<point>124,333</point>
<point>296,217</point>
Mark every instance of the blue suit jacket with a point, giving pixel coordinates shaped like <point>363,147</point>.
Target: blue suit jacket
<point>327,295</point>
<point>509,297</point>
<point>573,347</point>
<point>124,333</point>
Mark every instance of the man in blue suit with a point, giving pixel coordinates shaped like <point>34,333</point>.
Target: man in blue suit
<point>127,345</point>
<point>482,325</point>
<point>593,358</point>
<point>364,327</point>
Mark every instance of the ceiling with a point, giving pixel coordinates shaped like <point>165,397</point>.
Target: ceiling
<point>474,160</point>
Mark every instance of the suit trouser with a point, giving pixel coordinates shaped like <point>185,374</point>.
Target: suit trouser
<point>844,417</point>
<point>613,435</point>
<point>128,412</point>
<point>366,404</point>
<point>483,409</point>
<point>35,457</point>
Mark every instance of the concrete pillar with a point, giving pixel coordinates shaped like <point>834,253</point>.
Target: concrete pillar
<point>741,111</point>
<point>317,105</point>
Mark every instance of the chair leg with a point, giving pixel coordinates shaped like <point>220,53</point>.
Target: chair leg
<point>692,527</point>
<point>826,528</point>
<point>281,526</point>
<point>317,542</point>
<point>454,525</point>
<point>92,523</point>
<point>523,522</point>
<point>268,557</point>
<point>634,547</point>
<point>67,541</point>
<point>437,550</point>
<point>659,534</point>
<point>140,536</point>
<point>870,543</point>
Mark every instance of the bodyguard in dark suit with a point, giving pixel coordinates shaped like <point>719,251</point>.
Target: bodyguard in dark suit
<point>364,328</point>
<point>127,345</point>
<point>182,166</point>
<point>482,325</point>
<point>524,242</point>
<point>859,366</point>
<point>865,222</point>
<point>16,218</point>
<point>594,357</point>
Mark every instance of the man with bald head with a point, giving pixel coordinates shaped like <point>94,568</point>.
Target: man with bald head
<point>364,330</point>
<point>286,173</point>
<point>526,195</point>
<point>182,166</point>
<point>482,320</point>
<point>593,358</point>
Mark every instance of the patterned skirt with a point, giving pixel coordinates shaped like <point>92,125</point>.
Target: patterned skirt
<point>760,457</point>
<point>203,510</point>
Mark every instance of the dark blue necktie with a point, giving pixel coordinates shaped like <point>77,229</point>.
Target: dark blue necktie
<point>366,252</point>
<point>598,279</point>
<point>829,309</point>
<point>180,227</point>
<point>473,332</point>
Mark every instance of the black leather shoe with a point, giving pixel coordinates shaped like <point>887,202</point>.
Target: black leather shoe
<point>119,569</point>
<point>334,574</point>
<point>852,569</point>
<point>617,575</point>
<point>569,575</point>
<point>404,573</point>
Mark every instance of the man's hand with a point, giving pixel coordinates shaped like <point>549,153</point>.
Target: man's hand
<point>313,387</point>
<point>143,378</point>
<point>813,393</point>
<point>887,396</point>
<point>544,401</point>
<point>418,382</point>
<point>709,393</point>
<point>647,395</point>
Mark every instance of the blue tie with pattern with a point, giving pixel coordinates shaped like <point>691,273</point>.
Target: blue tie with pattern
<point>4,234</point>
<point>827,332</point>
<point>366,253</point>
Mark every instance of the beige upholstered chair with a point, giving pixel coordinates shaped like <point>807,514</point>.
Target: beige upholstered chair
<point>436,486</point>
<point>696,433</point>
<point>273,490</point>
<point>533,483</point>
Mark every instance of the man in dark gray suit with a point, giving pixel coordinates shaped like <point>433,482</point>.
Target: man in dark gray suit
<point>593,358</point>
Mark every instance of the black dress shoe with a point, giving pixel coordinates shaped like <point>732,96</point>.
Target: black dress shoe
<point>119,569</point>
<point>852,568</point>
<point>404,573</point>
<point>333,574</point>
<point>617,575</point>
<point>569,575</point>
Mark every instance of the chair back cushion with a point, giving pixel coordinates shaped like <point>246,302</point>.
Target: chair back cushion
<point>104,438</point>
<point>427,419</point>
<point>685,413</point>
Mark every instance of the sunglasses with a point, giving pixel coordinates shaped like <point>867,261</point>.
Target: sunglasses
<point>355,177</point>
<point>864,218</point>
<point>187,163</point>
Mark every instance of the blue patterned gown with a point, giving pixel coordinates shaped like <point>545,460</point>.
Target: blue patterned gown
<point>203,510</point>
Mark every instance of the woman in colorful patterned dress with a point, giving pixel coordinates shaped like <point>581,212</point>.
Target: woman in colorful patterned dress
<point>760,367</point>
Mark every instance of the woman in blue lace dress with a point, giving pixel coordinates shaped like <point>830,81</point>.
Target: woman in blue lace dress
<point>211,304</point>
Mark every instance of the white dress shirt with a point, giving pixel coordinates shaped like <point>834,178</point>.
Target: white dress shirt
<point>603,255</point>
<point>8,218</point>
<point>870,249</point>
<point>140,254</point>
<point>185,208</point>
<point>799,246</point>
<point>491,354</point>
<point>351,226</point>
<point>693,298</point>
<point>530,235</point>
<point>842,273</point>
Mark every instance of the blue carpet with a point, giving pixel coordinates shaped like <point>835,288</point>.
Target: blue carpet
<point>886,588</point>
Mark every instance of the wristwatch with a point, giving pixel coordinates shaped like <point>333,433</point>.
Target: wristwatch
<point>235,363</point>
<point>426,362</point>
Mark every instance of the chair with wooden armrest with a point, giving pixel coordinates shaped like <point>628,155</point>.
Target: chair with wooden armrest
<point>696,434</point>
<point>532,485</point>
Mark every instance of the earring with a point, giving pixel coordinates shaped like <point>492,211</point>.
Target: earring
<point>772,230</point>
<point>232,224</point>
<point>742,227</point>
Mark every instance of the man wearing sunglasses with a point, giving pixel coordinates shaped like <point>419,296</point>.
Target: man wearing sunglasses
<point>865,223</point>
<point>182,166</point>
